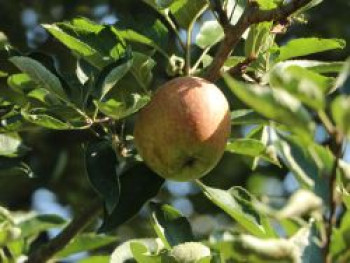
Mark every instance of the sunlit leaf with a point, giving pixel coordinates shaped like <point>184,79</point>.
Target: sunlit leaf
<point>306,46</point>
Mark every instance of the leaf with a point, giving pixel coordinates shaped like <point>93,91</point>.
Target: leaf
<point>309,87</point>
<point>110,76</point>
<point>95,259</point>
<point>39,74</point>
<point>138,184</point>
<point>185,11</point>
<point>314,65</point>
<point>3,41</point>
<point>306,46</point>
<point>170,225</point>
<point>101,164</point>
<point>274,104</point>
<point>144,29</point>
<point>246,117</point>
<point>97,44</point>
<point>141,253</point>
<point>11,145</point>
<point>340,241</point>
<point>39,223</point>
<point>209,34</point>
<point>340,108</point>
<point>85,242</point>
<point>257,36</point>
<point>51,119</point>
<point>119,110</point>
<point>250,147</point>
<point>307,242</point>
<point>123,252</point>
<point>239,205</point>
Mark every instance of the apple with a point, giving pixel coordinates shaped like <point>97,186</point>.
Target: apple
<point>182,132</point>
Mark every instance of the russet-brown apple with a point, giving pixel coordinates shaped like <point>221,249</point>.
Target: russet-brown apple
<point>182,133</point>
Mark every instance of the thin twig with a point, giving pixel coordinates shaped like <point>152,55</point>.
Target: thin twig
<point>337,150</point>
<point>233,33</point>
<point>47,251</point>
<point>241,67</point>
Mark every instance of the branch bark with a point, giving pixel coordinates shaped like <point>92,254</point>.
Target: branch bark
<point>46,252</point>
<point>233,33</point>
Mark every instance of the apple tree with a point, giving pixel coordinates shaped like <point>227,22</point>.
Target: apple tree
<point>164,96</point>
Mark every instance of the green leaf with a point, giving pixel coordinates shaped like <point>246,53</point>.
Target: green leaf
<point>123,252</point>
<point>340,108</point>
<point>138,184</point>
<point>250,147</point>
<point>39,74</point>
<point>257,37</point>
<point>111,75</point>
<point>340,238</point>
<point>11,145</point>
<point>85,242</point>
<point>3,41</point>
<point>306,46</point>
<point>51,119</point>
<point>101,164</point>
<point>119,110</point>
<point>185,11</point>
<point>309,87</point>
<point>247,117</point>
<point>142,255</point>
<point>97,44</point>
<point>209,34</point>
<point>170,225</point>
<point>240,206</point>
<point>144,29</point>
<point>275,104</point>
<point>314,65</point>
<point>95,259</point>
<point>35,225</point>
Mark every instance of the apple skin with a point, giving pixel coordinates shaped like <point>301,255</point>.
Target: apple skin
<point>181,134</point>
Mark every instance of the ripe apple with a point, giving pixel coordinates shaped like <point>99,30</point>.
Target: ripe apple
<point>182,133</point>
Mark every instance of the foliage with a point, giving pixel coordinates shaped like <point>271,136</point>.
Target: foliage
<point>276,91</point>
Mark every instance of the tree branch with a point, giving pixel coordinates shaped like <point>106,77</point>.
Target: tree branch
<point>337,150</point>
<point>233,33</point>
<point>46,252</point>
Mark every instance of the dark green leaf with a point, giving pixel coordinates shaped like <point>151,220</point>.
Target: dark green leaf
<point>144,29</point>
<point>121,109</point>
<point>97,44</point>
<point>171,226</point>
<point>306,46</point>
<point>110,76</point>
<point>185,11</point>
<point>39,74</point>
<point>101,165</point>
<point>138,184</point>
<point>57,118</point>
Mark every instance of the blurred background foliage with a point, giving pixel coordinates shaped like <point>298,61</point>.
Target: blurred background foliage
<point>56,157</point>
